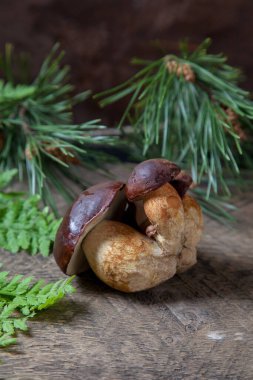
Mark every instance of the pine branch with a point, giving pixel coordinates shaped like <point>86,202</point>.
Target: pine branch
<point>19,301</point>
<point>23,225</point>
<point>215,206</point>
<point>186,106</point>
<point>36,128</point>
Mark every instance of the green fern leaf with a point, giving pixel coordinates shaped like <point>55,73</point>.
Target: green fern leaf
<point>6,177</point>
<point>20,301</point>
<point>20,324</point>
<point>7,340</point>
<point>7,327</point>
<point>23,225</point>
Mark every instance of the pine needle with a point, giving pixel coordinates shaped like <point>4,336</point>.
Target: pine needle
<point>191,108</point>
<point>36,127</point>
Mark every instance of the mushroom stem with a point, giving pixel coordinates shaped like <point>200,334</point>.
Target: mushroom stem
<point>192,233</point>
<point>164,210</point>
<point>125,259</point>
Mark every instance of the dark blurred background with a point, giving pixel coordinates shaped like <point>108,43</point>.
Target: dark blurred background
<point>101,36</point>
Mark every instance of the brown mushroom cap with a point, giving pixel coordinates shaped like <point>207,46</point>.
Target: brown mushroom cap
<point>149,175</point>
<point>99,202</point>
<point>182,182</point>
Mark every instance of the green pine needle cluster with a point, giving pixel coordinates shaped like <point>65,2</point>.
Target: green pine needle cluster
<point>188,120</point>
<point>23,225</point>
<point>37,134</point>
<point>19,301</point>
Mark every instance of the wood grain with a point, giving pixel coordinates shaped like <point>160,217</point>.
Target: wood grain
<point>198,325</point>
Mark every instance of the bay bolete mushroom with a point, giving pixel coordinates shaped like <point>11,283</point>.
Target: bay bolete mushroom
<point>167,228</point>
<point>105,200</point>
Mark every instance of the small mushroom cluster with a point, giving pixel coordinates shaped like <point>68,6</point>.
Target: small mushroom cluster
<point>136,235</point>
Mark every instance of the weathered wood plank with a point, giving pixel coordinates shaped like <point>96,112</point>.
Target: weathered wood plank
<point>198,325</point>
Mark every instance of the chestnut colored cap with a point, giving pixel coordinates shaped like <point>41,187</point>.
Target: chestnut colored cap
<point>99,202</point>
<point>181,183</point>
<point>150,175</point>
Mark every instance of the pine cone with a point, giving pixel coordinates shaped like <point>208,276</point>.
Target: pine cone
<point>188,73</point>
<point>67,158</point>
<point>29,154</point>
<point>181,69</point>
<point>234,120</point>
<point>232,116</point>
<point>240,132</point>
<point>172,66</point>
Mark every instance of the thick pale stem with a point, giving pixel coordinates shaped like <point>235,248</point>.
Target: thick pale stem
<point>125,259</point>
<point>164,210</point>
<point>192,233</point>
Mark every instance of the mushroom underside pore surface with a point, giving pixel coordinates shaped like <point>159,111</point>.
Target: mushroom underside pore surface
<point>103,201</point>
<point>78,262</point>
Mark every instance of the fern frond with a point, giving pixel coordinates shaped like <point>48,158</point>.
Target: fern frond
<point>6,177</point>
<point>20,301</point>
<point>23,225</point>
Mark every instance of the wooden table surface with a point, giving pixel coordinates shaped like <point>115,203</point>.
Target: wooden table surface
<point>198,325</point>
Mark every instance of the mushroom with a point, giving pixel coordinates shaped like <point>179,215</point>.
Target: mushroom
<point>102,201</point>
<point>129,261</point>
<point>150,175</point>
<point>147,176</point>
<point>122,256</point>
